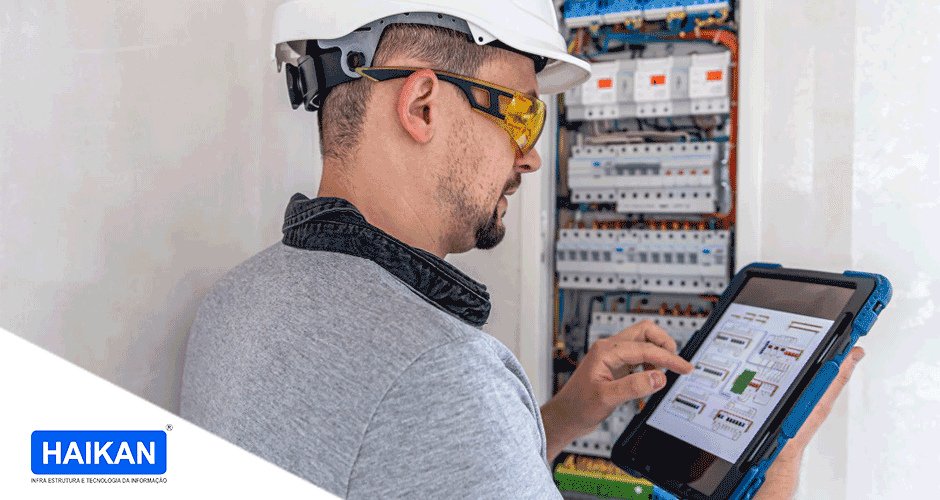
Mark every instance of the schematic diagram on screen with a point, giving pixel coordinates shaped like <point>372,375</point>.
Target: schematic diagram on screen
<point>740,374</point>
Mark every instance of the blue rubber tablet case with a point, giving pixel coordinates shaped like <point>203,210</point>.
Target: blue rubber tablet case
<point>748,470</point>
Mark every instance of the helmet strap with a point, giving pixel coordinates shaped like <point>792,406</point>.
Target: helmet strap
<point>328,63</point>
<point>310,81</point>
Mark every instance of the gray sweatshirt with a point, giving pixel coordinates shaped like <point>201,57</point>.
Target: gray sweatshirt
<point>331,367</point>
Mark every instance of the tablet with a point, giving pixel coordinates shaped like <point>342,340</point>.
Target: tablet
<point>762,360</point>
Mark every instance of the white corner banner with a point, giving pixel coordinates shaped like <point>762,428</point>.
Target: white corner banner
<point>68,433</point>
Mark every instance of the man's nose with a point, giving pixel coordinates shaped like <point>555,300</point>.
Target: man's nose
<point>530,162</point>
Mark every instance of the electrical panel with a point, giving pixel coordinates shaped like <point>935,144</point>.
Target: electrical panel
<point>646,173</point>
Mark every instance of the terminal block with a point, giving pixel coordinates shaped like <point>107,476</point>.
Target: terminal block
<point>648,178</point>
<point>644,260</point>
<point>600,479</point>
<point>697,84</point>
<point>583,13</point>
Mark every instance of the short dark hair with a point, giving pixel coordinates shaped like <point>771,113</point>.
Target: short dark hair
<point>340,117</point>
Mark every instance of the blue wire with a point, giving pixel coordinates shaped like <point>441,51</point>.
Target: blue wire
<point>643,38</point>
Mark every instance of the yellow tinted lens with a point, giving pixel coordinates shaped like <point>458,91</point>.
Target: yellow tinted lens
<point>524,120</point>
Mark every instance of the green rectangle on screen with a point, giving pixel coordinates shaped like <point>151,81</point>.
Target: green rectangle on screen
<point>741,383</point>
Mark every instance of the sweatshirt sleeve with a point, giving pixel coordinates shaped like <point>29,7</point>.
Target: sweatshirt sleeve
<point>457,423</point>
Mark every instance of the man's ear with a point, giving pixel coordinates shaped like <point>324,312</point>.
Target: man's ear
<point>418,105</point>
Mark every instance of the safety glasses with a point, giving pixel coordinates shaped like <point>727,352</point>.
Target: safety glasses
<point>520,115</point>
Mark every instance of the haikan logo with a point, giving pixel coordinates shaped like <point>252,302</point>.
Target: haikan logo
<point>98,452</point>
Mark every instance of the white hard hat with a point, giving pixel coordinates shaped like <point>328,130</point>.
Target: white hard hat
<point>354,27</point>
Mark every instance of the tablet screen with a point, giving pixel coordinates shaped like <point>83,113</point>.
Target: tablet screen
<point>743,369</point>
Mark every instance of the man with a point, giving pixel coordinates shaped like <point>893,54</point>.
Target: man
<point>350,353</point>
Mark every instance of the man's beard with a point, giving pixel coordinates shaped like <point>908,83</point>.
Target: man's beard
<point>490,232</point>
<point>487,229</point>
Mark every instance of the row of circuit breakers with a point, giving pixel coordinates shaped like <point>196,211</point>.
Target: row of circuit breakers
<point>694,262</point>
<point>696,84</point>
<point>683,177</point>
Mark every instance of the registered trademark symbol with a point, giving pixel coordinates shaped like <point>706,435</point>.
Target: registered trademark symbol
<point>169,427</point>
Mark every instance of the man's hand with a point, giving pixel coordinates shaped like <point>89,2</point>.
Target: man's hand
<point>784,472</point>
<point>604,380</point>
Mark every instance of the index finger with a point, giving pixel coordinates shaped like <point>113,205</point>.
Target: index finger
<point>621,353</point>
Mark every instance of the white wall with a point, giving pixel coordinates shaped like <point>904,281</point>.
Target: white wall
<point>840,169</point>
<point>145,148</point>
<point>802,174</point>
<point>895,407</point>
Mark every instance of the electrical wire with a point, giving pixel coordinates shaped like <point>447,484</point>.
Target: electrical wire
<point>587,327</point>
<point>729,40</point>
<point>673,128</point>
<point>635,136</point>
<point>632,136</point>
